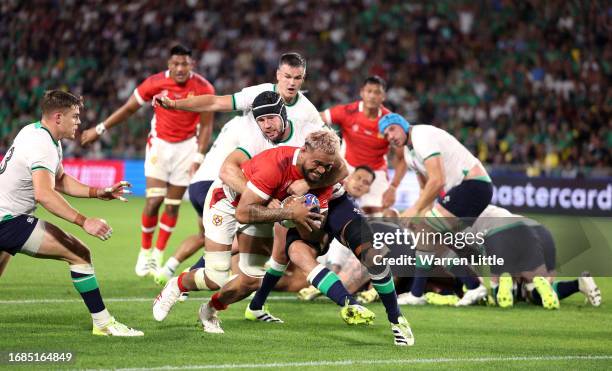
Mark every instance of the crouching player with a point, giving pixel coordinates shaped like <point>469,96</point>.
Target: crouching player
<point>529,254</point>
<point>31,173</point>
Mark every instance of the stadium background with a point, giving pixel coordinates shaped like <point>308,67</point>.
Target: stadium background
<point>524,85</point>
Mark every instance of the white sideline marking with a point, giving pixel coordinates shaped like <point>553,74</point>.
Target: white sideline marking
<point>350,362</point>
<point>116,300</point>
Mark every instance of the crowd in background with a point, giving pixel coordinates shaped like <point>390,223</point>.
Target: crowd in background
<point>524,84</point>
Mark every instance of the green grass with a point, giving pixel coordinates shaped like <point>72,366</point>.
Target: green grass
<point>313,332</point>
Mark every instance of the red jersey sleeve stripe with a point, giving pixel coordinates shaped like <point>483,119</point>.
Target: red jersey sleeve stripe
<point>138,97</point>
<point>328,117</point>
<point>257,191</point>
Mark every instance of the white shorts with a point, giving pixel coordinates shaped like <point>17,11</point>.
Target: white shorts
<point>374,197</point>
<point>170,162</point>
<point>220,224</point>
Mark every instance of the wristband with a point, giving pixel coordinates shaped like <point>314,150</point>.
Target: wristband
<point>100,128</point>
<point>80,219</point>
<point>93,192</point>
<point>198,157</point>
<point>392,185</point>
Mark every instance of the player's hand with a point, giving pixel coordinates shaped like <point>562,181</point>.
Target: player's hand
<point>388,198</point>
<point>274,204</point>
<point>98,228</point>
<point>115,192</point>
<point>163,101</point>
<point>303,216</point>
<point>298,188</point>
<point>89,136</point>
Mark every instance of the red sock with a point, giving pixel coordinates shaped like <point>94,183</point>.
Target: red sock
<point>180,282</point>
<point>166,226</point>
<point>214,301</point>
<point>148,228</point>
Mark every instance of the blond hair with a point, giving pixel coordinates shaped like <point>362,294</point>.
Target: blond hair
<point>323,140</point>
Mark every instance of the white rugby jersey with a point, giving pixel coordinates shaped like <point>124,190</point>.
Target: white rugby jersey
<point>33,149</point>
<point>300,111</point>
<point>428,141</point>
<point>226,142</point>
<point>253,141</point>
<point>495,219</point>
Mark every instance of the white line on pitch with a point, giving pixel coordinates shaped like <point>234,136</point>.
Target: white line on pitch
<point>351,362</point>
<point>116,300</point>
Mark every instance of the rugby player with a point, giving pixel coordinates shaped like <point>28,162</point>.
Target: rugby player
<point>454,178</point>
<point>172,154</point>
<point>31,173</point>
<point>365,146</point>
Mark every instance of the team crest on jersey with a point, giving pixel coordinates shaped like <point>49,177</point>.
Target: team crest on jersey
<point>190,94</point>
<point>30,220</point>
<point>217,220</point>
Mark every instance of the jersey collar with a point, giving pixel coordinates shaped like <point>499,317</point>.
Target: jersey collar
<point>361,108</point>
<point>295,157</point>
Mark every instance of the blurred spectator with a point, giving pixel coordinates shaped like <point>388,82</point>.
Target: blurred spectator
<point>524,84</point>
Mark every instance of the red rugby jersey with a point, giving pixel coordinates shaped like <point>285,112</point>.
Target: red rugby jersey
<point>173,125</point>
<point>364,144</point>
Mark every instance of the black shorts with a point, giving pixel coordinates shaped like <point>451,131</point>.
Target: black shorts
<point>341,211</point>
<point>468,199</point>
<point>520,248</point>
<point>15,232</point>
<point>547,243</point>
<point>197,194</point>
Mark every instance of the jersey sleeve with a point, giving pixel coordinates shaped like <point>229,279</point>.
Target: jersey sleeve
<point>424,143</point>
<point>206,88</point>
<point>145,91</point>
<point>335,115</point>
<point>251,141</point>
<point>43,155</point>
<point>243,100</point>
<point>315,117</point>
<point>264,179</point>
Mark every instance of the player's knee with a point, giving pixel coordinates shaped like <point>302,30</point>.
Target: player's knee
<point>171,206</point>
<point>217,271</point>
<point>372,260</point>
<point>252,265</point>
<point>357,235</point>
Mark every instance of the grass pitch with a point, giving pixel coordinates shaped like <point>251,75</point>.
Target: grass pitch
<point>41,311</point>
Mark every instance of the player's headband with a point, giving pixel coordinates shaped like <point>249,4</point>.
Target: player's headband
<point>270,103</point>
<point>392,119</point>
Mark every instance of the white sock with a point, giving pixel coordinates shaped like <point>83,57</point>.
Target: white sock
<point>145,251</point>
<point>171,265</point>
<point>101,319</point>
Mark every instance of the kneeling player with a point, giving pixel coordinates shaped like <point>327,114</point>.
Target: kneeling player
<point>528,251</point>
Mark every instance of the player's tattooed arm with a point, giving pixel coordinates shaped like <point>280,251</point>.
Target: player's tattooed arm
<point>231,173</point>
<point>252,209</point>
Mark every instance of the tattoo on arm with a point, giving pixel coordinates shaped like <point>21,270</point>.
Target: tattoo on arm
<point>262,214</point>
